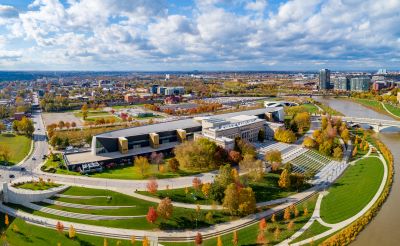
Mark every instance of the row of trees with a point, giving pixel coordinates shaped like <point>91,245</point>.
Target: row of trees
<point>24,126</point>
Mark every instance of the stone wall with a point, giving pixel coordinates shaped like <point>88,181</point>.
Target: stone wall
<point>21,196</point>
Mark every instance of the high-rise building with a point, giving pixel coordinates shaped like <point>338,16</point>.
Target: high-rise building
<point>341,83</point>
<point>360,83</point>
<point>325,79</point>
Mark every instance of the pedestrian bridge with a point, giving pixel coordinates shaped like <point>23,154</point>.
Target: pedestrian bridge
<point>377,124</point>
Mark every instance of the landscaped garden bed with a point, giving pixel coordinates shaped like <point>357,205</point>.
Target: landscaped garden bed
<point>36,185</point>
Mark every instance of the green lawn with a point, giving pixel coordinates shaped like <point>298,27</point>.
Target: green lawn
<point>248,235</point>
<point>352,191</point>
<point>127,172</point>
<point>315,229</point>
<point>36,185</point>
<point>265,190</point>
<point>370,103</point>
<point>132,172</point>
<point>18,145</point>
<point>29,234</point>
<point>312,109</point>
<point>181,219</point>
<point>393,109</point>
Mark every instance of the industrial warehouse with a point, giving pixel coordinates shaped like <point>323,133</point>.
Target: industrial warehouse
<point>121,146</point>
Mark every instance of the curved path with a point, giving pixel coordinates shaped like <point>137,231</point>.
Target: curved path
<point>387,110</point>
<point>338,226</point>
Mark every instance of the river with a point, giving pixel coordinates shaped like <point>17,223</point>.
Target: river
<point>384,229</point>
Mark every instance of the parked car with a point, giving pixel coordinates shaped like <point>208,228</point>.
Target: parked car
<point>33,159</point>
<point>11,176</point>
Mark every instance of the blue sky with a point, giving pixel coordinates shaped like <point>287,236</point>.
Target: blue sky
<point>199,34</point>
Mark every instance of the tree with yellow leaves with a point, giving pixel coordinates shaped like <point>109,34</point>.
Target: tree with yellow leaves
<point>290,225</point>
<point>15,228</point>
<point>273,218</point>
<point>6,221</point>
<point>284,179</point>
<point>296,212</point>
<point>305,211</point>
<point>133,239</point>
<point>286,214</point>
<point>235,239</point>
<point>277,233</point>
<point>205,189</point>
<point>105,242</point>
<point>71,232</point>
<point>145,241</point>
<point>219,241</point>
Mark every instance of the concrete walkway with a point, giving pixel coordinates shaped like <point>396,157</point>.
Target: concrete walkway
<point>338,226</point>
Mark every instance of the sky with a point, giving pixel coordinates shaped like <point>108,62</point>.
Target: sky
<point>178,35</point>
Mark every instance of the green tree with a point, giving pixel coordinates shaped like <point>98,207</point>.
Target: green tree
<point>231,202</point>
<point>224,177</point>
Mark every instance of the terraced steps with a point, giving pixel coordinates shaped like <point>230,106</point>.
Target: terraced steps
<point>79,197</point>
<point>82,206</point>
<point>78,215</point>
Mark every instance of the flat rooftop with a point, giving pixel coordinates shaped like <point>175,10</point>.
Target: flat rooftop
<point>85,157</point>
<point>178,124</point>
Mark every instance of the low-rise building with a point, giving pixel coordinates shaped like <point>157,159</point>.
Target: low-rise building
<point>129,98</point>
<point>121,145</point>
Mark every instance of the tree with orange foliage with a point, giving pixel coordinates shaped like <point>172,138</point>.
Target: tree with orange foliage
<point>199,239</point>
<point>151,215</point>
<point>60,227</point>
<point>263,224</point>
<point>196,183</point>
<point>152,186</point>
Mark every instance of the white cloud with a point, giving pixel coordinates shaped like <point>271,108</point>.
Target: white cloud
<point>124,34</point>
<point>257,5</point>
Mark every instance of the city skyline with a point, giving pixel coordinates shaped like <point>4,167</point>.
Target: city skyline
<point>210,35</point>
